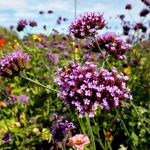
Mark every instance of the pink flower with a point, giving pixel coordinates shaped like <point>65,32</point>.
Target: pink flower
<point>79,140</point>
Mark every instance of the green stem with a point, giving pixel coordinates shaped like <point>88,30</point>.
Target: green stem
<point>90,133</point>
<point>133,147</point>
<point>81,125</point>
<point>39,83</point>
<point>105,58</point>
<point>107,142</point>
<point>123,123</point>
<point>100,142</point>
<point>98,46</point>
<point>139,116</point>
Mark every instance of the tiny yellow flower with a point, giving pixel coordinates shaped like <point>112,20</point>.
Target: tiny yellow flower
<point>18,124</point>
<point>36,131</point>
<point>36,38</point>
<point>127,70</point>
<point>45,74</point>
<point>96,109</point>
<point>15,41</point>
<point>15,44</point>
<point>142,61</point>
<point>135,77</point>
<point>76,50</point>
<point>73,44</point>
<point>135,51</point>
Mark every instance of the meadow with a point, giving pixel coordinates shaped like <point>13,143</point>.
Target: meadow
<point>82,90</point>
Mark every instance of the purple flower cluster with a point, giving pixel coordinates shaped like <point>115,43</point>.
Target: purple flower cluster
<point>58,118</point>
<point>146,2</point>
<point>51,57</point>
<point>59,20</point>
<point>84,87</point>
<point>128,6</point>
<point>144,12</point>
<point>23,98</point>
<point>49,11</point>
<point>12,64</point>
<point>32,23</point>
<point>87,24</point>
<point>12,99</point>
<point>112,44</point>
<point>23,23</point>
<point>140,26</point>
<point>60,130</point>
<point>6,138</point>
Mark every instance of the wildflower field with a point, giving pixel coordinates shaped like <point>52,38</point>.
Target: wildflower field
<point>84,89</point>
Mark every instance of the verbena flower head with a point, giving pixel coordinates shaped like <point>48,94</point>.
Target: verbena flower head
<point>59,20</point>
<point>23,98</point>
<point>60,130</point>
<point>122,17</point>
<point>140,26</point>
<point>128,7</point>
<point>21,25</point>
<point>32,23</point>
<point>11,100</point>
<point>50,12</point>
<point>146,2</point>
<point>11,65</point>
<point>11,27</point>
<point>6,138</point>
<point>112,44</point>
<point>41,12</point>
<point>87,24</point>
<point>52,58</point>
<point>126,29</point>
<point>83,88</point>
<point>144,12</point>
<point>79,141</point>
<point>58,118</point>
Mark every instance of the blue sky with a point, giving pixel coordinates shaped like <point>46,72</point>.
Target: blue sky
<point>13,10</point>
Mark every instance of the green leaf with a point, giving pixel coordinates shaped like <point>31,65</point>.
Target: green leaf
<point>132,124</point>
<point>142,110</point>
<point>134,136</point>
<point>95,129</point>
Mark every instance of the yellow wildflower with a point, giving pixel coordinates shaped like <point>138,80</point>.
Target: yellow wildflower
<point>15,44</point>
<point>96,109</point>
<point>142,61</point>
<point>135,51</point>
<point>17,124</point>
<point>36,38</point>
<point>15,41</point>
<point>127,70</point>
<point>73,44</point>
<point>76,50</point>
<point>36,131</point>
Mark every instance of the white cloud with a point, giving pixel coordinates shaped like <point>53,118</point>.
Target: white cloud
<point>13,4</point>
<point>13,10</point>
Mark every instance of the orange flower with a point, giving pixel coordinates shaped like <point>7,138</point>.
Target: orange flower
<point>109,136</point>
<point>1,103</point>
<point>2,42</point>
